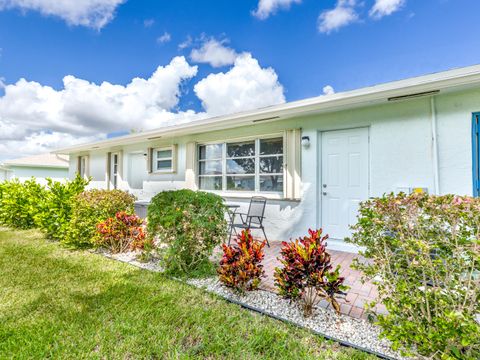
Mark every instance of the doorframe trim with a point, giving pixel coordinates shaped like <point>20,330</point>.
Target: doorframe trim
<point>320,165</point>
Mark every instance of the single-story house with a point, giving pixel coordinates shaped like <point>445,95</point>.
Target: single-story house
<point>3,173</point>
<point>42,166</point>
<point>314,159</point>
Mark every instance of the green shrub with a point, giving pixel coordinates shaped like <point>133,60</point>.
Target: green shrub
<point>189,225</point>
<point>307,275</point>
<point>92,207</point>
<point>426,251</point>
<point>120,233</point>
<point>240,267</point>
<point>55,209</point>
<point>19,203</point>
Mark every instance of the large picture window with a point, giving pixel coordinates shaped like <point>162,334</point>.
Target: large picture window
<point>253,165</point>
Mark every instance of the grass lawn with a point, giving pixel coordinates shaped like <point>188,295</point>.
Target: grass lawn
<point>69,304</point>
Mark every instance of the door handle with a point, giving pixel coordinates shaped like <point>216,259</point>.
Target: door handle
<point>324,193</point>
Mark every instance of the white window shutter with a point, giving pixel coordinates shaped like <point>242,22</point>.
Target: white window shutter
<point>293,165</point>
<point>190,166</point>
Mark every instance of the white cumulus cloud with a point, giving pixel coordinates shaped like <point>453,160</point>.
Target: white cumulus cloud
<point>214,52</point>
<point>245,86</point>
<point>343,14</point>
<point>90,13</point>
<point>37,118</point>
<point>328,90</point>
<point>164,38</point>
<point>383,8</point>
<point>268,7</point>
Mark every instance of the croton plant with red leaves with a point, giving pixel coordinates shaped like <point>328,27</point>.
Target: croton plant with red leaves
<point>121,233</point>
<point>307,273</point>
<point>240,267</point>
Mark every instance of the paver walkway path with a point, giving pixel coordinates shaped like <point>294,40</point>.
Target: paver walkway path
<point>358,294</point>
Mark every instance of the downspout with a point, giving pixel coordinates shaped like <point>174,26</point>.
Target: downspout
<point>434,146</point>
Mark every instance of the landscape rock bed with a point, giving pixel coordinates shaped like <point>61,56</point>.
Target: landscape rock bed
<point>131,258</point>
<point>353,332</point>
<point>357,332</point>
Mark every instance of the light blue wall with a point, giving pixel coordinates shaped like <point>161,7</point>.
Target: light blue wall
<point>401,154</point>
<point>40,173</point>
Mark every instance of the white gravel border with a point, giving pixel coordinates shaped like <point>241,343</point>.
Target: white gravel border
<point>358,332</point>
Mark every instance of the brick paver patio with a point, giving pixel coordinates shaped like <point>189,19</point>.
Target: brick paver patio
<point>357,295</point>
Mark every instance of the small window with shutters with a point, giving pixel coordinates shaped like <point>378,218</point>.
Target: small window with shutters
<point>163,160</point>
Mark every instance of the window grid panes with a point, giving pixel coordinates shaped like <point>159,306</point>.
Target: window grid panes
<point>163,159</point>
<point>253,165</point>
<point>210,167</point>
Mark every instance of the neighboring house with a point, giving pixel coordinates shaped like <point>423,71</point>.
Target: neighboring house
<point>39,166</point>
<point>314,159</point>
<point>3,173</point>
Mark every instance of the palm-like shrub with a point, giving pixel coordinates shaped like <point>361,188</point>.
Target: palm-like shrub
<point>307,274</point>
<point>240,267</point>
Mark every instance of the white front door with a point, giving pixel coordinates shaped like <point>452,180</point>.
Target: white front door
<point>137,170</point>
<point>344,179</point>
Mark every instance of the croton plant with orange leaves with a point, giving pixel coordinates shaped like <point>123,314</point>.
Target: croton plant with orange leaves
<point>240,267</point>
<point>307,273</point>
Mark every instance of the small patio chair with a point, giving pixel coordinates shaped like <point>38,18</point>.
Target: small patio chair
<point>253,219</point>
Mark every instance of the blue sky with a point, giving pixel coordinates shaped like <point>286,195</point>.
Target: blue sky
<point>123,40</point>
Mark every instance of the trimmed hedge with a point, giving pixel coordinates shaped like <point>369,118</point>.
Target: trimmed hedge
<point>426,251</point>
<point>91,207</point>
<point>189,224</point>
<point>19,203</point>
<point>55,208</point>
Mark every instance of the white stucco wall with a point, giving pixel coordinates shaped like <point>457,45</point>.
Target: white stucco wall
<point>401,155</point>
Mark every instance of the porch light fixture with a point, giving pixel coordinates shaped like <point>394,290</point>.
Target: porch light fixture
<point>306,141</point>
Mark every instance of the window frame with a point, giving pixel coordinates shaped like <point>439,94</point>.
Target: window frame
<point>155,160</point>
<point>257,175</point>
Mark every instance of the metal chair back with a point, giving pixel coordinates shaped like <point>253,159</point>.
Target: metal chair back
<point>256,210</point>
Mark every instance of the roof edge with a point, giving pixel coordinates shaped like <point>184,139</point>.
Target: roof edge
<point>449,79</point>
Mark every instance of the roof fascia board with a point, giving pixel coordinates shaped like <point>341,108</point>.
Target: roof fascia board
<point>452,80</point>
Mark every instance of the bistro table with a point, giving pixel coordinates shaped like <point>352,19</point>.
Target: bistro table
<point>231,211</point>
